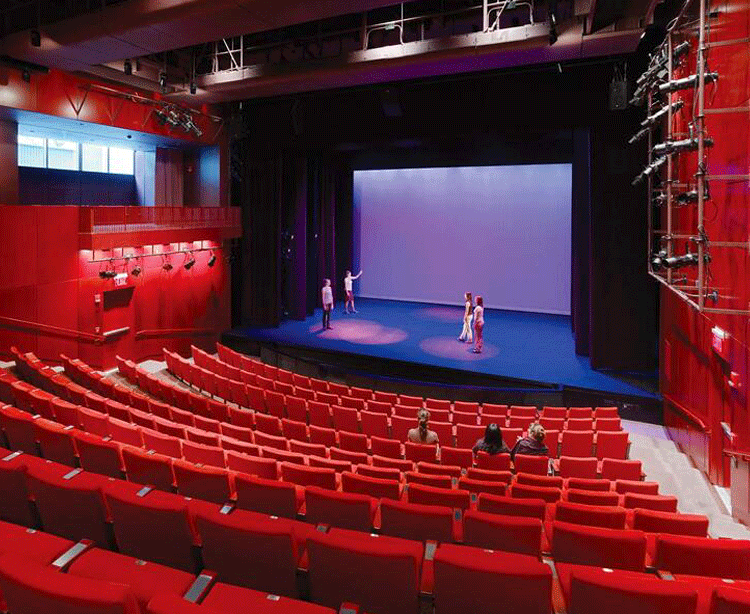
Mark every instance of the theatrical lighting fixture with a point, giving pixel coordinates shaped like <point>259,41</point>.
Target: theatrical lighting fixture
<point>167,266</point>
<point>136,271</point>
<point>36,38</point>
<point>687,82</point>
<point>188,125</point>
<point>107,274</point>
<point>26,75</point>
<point>127,67</point>
<point>650,170</point>
<point>193,88</point>
<point>660,260</point>
<point>671,147</point>
<point>655,117</point>
<point>552,29</point>
<point>638,135</point>
<point>212,259</point>
<point>163,81</point>
<point>657,71</point>
<point>189,264</point>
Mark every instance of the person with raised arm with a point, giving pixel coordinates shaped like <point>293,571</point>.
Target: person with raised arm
<point>348,281</point>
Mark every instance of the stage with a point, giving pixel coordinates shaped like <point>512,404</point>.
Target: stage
<point>530,350</point>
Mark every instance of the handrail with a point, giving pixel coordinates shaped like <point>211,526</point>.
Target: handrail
<point>51,330</point>
<point>174,332</point>
<point>687,413</point>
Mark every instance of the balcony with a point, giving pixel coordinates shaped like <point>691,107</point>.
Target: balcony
<point>104,228</point>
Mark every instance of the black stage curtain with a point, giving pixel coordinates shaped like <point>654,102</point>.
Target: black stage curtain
<point>297,224</point>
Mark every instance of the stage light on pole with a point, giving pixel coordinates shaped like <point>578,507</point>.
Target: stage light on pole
<point>127,67</point>
<point>193,88</point>
<point>163,81</point>
<point>136,271</point>
<point>212,259</point>
<point>552,29</point>
<point>189,264</point>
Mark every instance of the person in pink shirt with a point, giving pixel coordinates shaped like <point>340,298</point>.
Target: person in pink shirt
<point>478,325</point>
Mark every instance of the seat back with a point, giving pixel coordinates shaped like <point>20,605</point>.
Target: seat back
<point>591,515</point>
<point>97,455</point>
<point>729,600</point>
<point>250,550</point>
<point>521,534</point>
<point>584,545</point>
<point>69,504</point>
<point>308,476</point>
<point>154,527</point>
<point>144,468</point>
<point>613,469</point>
<point>577,443</point>
<point>15,504</point>
<point>468,434</point>
<point>703,556</point>
<point>29,587</point>
<point>430,495</point>
<point>339,560</point>
<point>592,497</point>
<point>511,506</point>
<point>440,481</point>
<point>652,521</point>
<point>477,487</point>
<point>597,590</point>
<point>612,444</point>
<point>390,448</point>
<point>206,483</point>
<point>493,462</point>
<point>526,463</point>
<point>531,479</point>
<point>374,487</point>
<point>461,457</point>
<point>253,465</point>
<point>548,494</point>
<point>55,442</point>
<point>266,496</point>
<point>659,503</point>
<point>416,521</point>
<point>374,424</point>
<point>339,509</point>
<point>473,580</point>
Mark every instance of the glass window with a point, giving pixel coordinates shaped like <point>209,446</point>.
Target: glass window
<point>32,151</point>
<point>94,158</point>
<point>121,161</point>
<point>62,155</point>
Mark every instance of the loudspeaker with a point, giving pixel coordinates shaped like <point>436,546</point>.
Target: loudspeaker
<point>618,95</point>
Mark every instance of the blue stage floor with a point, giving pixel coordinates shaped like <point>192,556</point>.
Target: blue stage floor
<point>525,346</point>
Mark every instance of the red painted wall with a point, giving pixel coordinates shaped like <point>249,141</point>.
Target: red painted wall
<point>52,299</point>
<point>694,378</point>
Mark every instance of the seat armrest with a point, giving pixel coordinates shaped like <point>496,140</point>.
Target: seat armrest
<point>62,562</point>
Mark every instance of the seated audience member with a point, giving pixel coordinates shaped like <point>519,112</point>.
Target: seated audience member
<point>423,434</point>
<point>492,442</point>
<point>533,443</point>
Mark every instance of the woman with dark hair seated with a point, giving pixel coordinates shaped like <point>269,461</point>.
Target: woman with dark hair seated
<point>533,443</point>
<point>492,442</point>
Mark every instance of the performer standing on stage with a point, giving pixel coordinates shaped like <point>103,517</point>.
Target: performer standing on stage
<point>468,316</point>
<point>348,279</point>
<point>327,295</point>
<point>478,325</point>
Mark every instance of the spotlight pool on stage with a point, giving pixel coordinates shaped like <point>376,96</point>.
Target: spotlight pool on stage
<point>525,346</point>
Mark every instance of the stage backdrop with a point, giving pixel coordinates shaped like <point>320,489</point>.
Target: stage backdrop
<point>430,234</point>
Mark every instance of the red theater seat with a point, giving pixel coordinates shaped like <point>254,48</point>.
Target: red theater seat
<point>155,527</point>
<point>339,509</point>
<point>507,533</point>
<point>374,487</point>
<point>390,448</point>
<point>145,579</point>
<point>429,495</point>
<point>145,468</point>
<point>18,428</point>
<point>548,481</point>
<point>439,481</point>
<point>374,424</point>
<point>479,486</point>
<point>729,600</point>
<point>510,506</point>
<point>591,515</point>
<point>353,442</point>
<point>521,491</point>
<point>652,521</point>
<point>493,462</point>
<point>253,465</point>
<point>592,497</point>
<point>337,465</point>
<point>577,443</point>
<point>401,426</point>
<point>621,469</point>
<point>703,556</point>
<point>659,503</point>
<point>573,467</point>
<point>469,407</point>
<point>636,486</point>
<point>340,560</point>
<point>385,473</point>
<point>473,580</point>
<point>584,545</point>
<point>468,434</point>
<point>596,484</point>
<point>460,457</point>
<point>439,469</point>
<point>266,496</point>
<point>345,418</point>
<point>525,463</point>
<point>162,444</point>
<point>31,588</point>
<point>55,442</point>
<point>97,455</point>
<point>206,483</point>
<point>70,503</point>
<point>203,454</point>
<point>593,591</point>
<point>229,599</point>
<point>308,476</point>
<point>612,445</point>
<point>15,503</point>
<point>250,550</point>
<point>506,477</point>
<point>416,521</point>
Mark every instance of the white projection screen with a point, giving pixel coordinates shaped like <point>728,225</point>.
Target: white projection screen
<point>430,234</point>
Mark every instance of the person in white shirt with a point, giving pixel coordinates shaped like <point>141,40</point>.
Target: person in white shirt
<point>478,325</point>
<point>327,295</point>
<point>468,316</point>
<point>348,279</point>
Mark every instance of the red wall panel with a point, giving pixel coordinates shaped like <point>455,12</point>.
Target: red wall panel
<point>63,305</point>
<point>694,378</point>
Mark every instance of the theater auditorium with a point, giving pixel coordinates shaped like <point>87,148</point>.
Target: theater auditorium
<point>368,307</point>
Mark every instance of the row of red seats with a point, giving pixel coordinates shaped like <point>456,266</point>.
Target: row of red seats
<point>275,397</point>
<point>230,364</point>
<point>176,526</point>
<point>611,442</point>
